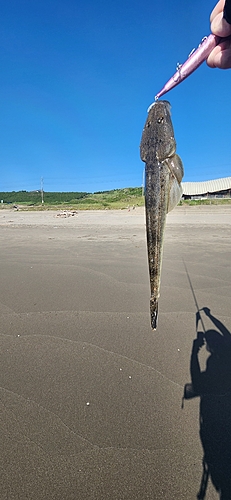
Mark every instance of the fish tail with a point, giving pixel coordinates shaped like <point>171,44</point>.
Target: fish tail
<point>154,312</point>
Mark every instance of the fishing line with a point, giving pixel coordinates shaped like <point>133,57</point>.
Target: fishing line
<point>194,296</point>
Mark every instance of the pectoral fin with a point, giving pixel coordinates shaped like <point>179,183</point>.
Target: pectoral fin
<point>175,194</point>
<point>176,168</point>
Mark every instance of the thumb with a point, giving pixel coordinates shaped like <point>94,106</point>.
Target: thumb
<point>220,27</point>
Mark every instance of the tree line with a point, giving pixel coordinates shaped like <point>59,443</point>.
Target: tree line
<point>35,197</point>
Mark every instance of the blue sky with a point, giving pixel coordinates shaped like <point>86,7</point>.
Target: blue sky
<point>77,78</point>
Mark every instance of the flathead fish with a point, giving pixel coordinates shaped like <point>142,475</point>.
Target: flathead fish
<point>163,174</point>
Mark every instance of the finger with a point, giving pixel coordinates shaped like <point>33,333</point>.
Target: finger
<point>217,9</point>
<point>212,59</point>
<point>220,27</point>
<point>220,57</point>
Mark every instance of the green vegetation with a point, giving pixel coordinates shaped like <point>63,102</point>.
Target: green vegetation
<point>101,200</point>
<point>35,198</point>
<point>208,201</point>
<point>116,199</point>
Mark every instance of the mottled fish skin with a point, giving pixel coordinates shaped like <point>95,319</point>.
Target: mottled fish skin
<point>163,175</point>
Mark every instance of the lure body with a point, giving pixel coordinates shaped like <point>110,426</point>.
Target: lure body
<point>194,60</point>
<point>163,175</point>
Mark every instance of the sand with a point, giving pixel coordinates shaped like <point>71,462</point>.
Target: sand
<point>90,396</point>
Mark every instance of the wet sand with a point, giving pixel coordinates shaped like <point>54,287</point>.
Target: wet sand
<point>90,396</point>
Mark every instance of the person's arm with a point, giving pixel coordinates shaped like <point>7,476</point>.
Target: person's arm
<point>195,370</point>
<point>220,57</point>
<point>220,326</point>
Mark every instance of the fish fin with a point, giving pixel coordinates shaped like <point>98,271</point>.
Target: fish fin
<point>153,312</point>
<point>176,168</point>
<point>174,194</point>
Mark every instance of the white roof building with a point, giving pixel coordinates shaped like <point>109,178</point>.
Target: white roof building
<point>206,187</point>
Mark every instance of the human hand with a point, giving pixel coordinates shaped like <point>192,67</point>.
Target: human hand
<point>198,342</point>
<point>206,311</point>
<point>220,57</point>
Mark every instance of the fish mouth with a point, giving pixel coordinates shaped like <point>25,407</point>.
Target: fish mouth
<point>157,103</point>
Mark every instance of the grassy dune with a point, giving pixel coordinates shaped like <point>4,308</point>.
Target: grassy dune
<point>117,199</point>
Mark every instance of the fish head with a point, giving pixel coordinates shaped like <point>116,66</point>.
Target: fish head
<point>158,135</point>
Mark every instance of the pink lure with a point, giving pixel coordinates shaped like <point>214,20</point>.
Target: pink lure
<point>194,60</point>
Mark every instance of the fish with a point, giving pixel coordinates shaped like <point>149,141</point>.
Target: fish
<point>163,175</point>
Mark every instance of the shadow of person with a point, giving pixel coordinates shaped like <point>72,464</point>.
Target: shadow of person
<point>213,386</point>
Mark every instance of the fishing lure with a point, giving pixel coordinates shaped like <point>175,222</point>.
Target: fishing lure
<point>195,59</point>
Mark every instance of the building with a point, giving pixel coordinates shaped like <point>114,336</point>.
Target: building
<point>218,188</point>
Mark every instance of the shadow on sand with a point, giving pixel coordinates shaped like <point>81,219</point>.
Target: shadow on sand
<point>213,386</point>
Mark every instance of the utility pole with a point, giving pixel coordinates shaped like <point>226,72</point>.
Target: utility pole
<point>42,190</point>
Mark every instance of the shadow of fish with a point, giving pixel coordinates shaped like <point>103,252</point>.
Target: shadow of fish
<point>163,175</point>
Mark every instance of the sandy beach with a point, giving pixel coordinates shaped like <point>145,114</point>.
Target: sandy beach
<point>90,395</point>
<point>207,214</point>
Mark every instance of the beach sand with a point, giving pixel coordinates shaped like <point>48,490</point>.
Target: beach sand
<point>90,395</point>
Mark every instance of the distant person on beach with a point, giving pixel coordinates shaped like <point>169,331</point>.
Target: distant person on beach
<point>220,20</point>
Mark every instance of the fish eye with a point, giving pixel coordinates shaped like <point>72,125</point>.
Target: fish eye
<point>160,120</point>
